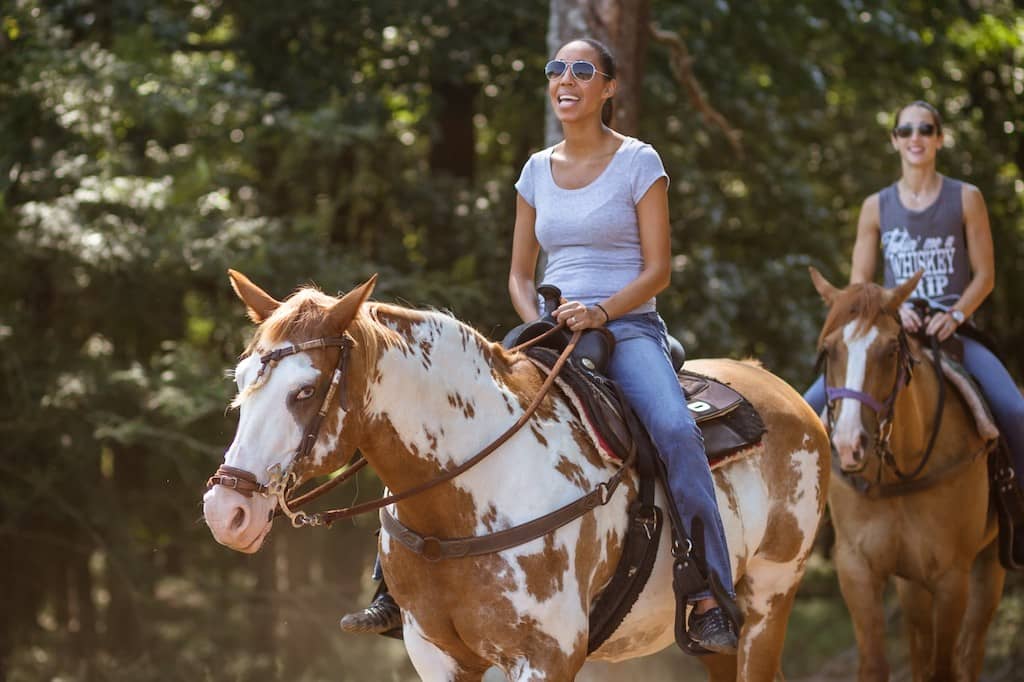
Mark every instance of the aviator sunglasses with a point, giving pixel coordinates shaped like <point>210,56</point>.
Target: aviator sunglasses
<point>582,70</point>
<point>906,130</point>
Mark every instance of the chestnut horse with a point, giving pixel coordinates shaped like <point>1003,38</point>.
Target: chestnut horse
<point>419,394</point>
<point>919,513</point>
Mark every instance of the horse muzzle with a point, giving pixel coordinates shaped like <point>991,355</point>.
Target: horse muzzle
<point>236,521</point>
<point>853,453</point>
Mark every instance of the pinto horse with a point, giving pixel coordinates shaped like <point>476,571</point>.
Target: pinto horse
<point>908,504</point>
<point>418,394</point>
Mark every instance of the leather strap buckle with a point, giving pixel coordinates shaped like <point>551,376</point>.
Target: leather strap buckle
<point>431,549</point>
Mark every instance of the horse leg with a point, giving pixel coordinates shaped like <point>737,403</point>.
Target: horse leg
<point>862,592</point>
<point>986,589</point>
<point>432,663</point>
<point>916,603</point>
<point>949,604</point>
<point>721,668</point>
<point>767,593</point>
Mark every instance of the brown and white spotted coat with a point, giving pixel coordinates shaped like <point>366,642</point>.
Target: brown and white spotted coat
<point>425,393</point>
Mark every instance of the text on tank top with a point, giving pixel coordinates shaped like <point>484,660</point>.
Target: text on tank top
<point>932,239</point>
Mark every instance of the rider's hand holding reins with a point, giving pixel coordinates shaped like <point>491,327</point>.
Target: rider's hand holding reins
<point>909,318</point>
<point>941,325</point>
<point>578,317</point>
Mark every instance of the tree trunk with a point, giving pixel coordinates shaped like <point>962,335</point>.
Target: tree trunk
<point>454,149</point>
<point>622,25</point>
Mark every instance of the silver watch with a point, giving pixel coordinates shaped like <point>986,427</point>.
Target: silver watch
<point>957,315</point>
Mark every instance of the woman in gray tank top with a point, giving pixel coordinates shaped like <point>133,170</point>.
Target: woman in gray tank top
<point>597,204</point>
<point>928,221</point>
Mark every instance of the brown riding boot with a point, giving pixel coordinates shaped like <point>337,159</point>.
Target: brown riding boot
<point>382,617</point>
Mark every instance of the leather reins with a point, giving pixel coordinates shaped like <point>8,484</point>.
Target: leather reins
<point>433,548</point>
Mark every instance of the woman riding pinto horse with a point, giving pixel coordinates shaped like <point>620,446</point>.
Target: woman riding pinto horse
<point>420,394</point>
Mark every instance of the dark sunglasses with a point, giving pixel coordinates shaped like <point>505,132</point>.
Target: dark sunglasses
<point>582,70</point>
<point>906,130</point>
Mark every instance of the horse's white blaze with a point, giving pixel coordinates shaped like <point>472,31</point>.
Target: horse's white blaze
<point>267,432</point>
<point>430,662</point>
<point>848,426</point>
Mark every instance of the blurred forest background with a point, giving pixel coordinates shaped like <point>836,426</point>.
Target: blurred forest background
<point>148,145</point>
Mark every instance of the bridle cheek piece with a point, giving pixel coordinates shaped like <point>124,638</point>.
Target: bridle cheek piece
<point>883,409</point>
<point>282,479</point>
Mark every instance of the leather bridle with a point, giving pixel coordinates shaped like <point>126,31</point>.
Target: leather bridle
<point>884,411</point>
<point>245,482</point>
<point>282,479</point>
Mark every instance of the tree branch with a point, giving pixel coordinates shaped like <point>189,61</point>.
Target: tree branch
<point>681,62</point>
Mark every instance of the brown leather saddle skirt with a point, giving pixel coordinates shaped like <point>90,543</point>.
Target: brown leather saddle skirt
<point>728,422</point>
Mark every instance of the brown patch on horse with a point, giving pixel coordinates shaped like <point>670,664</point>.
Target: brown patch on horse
<point>545,571</point>
<point>572,471</point>
<point>782,539</point>
<point>595,560</point>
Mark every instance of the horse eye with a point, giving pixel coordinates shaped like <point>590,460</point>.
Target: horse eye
<point>305,393</point>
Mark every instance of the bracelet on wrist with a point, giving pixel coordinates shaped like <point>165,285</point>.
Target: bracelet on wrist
<point>607,317</point>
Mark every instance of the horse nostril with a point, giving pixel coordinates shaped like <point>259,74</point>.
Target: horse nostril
<point>864,443</point>
<point>238,520</point>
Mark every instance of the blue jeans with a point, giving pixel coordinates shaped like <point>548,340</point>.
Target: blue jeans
<point>641,366</point>
<point>1001,393</point>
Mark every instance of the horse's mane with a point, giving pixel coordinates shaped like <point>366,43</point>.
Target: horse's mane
<point>863,302</point>
<point>302,316</point>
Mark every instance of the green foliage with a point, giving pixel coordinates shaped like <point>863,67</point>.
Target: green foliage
<point>147,146</point>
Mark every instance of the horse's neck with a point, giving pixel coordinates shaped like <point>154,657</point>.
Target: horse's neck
<point>437,395</point>
<point>914,417</point>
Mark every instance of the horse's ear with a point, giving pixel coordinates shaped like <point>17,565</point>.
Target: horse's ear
<point>345,310</point>
<point>896,296</point>
<point>259,304</point>
<point>824,287</point>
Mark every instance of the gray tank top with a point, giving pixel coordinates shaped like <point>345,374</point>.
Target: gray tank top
<point>933,239</point>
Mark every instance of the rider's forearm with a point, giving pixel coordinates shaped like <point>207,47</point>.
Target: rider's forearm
<point>975,293</point>
<point>523,292</point>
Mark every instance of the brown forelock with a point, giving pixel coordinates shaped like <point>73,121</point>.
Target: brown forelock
<point>863,302</point>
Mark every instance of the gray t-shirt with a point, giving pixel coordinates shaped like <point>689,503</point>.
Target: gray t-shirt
<point>933,239</point>
<point>590,235</point>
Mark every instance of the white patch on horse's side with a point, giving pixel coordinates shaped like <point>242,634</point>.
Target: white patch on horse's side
<point>848,425</point>
<point>744,528</point>
<point>431,663</point>
<point>552,613</point>
<point>806,510</point>
<point>267,433</point>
